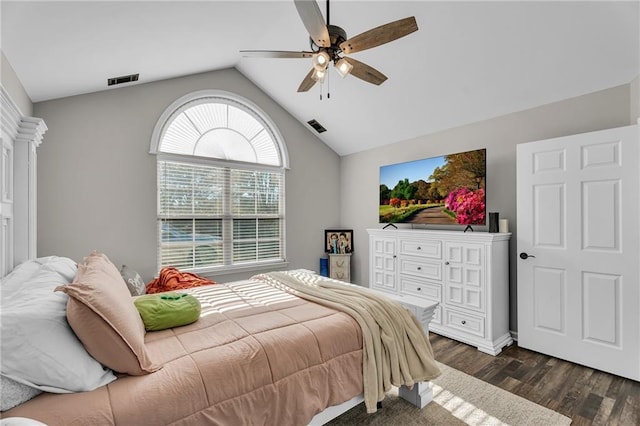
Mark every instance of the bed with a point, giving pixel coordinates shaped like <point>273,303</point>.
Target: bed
<point>258,354</point>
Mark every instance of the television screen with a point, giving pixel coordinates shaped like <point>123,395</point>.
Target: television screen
<point>446,190</point>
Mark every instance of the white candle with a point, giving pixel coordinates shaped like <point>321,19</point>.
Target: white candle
<point>504,225</point>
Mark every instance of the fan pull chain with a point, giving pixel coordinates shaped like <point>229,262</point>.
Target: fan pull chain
<point>321,85</point>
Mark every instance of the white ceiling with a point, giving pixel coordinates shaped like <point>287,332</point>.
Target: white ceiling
<point>469,61</point>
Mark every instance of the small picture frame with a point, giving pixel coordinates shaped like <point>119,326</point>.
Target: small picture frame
<point>338,241</point>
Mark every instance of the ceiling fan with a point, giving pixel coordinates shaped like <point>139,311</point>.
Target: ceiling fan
<point>329,43</point>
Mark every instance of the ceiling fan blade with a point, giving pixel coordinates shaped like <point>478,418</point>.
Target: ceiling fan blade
<point>275,54</point>
<point>313,21</point>
<point>380,35</point>
<point>365,72</point>
<point>307,83</point>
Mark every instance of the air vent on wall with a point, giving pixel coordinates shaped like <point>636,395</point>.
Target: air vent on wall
<point>124,79</point>
<point>319,128</point>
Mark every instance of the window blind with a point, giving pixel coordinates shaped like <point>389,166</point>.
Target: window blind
<point>212,216</point>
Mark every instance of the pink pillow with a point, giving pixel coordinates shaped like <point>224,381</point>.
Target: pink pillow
<point>101,312</point>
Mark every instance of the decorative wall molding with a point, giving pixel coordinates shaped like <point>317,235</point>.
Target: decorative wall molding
<point>21,136</point>
<point>11,116</point>
<point>31,130</point>
<point>18,127</point>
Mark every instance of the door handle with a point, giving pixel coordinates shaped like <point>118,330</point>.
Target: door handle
<point>525,256</point>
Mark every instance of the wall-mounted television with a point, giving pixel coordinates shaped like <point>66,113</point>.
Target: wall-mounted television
<point>445,190</point>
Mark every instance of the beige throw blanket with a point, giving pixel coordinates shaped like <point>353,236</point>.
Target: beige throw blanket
<point>396,350</point>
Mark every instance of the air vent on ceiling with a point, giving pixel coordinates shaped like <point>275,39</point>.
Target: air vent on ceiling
<point>319,128</point>
<point>124,79</point>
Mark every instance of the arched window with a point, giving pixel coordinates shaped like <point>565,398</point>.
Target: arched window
<point>221,169</point>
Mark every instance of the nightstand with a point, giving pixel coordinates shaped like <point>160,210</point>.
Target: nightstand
<point>340,267</point>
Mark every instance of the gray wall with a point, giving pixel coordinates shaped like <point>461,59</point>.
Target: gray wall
<point>360,196</point>
<point>13,86</point>
<point>97,181</point>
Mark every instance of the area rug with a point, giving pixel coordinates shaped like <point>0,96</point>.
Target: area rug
<point>458,399</point>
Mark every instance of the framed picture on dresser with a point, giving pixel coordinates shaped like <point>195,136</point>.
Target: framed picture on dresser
<point>338,241</point>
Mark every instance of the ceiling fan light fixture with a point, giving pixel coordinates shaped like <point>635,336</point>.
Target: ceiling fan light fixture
<point>319,75</point>
<point>343,67</point>
<point>321,60</point>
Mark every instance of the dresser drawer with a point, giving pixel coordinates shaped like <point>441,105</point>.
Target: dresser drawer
<point>428,249</point>
<point>421,268</point>
<point>465,322</point>
<point>341,276</point>
<point>421,288</point>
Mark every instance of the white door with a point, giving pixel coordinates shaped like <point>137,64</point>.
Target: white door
<point>578,212</point>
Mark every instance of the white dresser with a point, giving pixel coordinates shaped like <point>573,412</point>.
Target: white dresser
<point>466,273</point>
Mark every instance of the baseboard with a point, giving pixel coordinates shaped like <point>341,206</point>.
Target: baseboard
<point>514,335</point>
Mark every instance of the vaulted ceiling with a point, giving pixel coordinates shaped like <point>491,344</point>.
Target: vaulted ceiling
<point>468,61</point>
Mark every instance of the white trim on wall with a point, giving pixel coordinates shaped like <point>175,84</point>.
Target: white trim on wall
<point>11,116</point>
<point>21,136</point>
<point>203,96</point>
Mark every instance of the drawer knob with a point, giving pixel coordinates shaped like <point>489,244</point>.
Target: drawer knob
<point>464,322</point>
<point>419,288</point>
<point>419,268</point>
<point>419,248</point>
<point>446,263</point>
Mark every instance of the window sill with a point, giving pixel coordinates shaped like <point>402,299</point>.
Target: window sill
<point>228,270</point>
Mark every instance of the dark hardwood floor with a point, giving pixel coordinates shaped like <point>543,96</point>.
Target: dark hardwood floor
<point>587,396</point>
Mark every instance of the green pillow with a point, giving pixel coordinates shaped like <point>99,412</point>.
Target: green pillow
<point>166,310</point>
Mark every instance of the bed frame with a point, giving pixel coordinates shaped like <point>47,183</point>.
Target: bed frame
<point>419,395</point>
<point>21,136</point>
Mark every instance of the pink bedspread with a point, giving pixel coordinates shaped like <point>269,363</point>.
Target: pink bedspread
<point>256,356</point>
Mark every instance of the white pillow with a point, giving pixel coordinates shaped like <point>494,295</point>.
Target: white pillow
<point>134,281</point>
<point>39,349</point>
<point>20,421</point>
